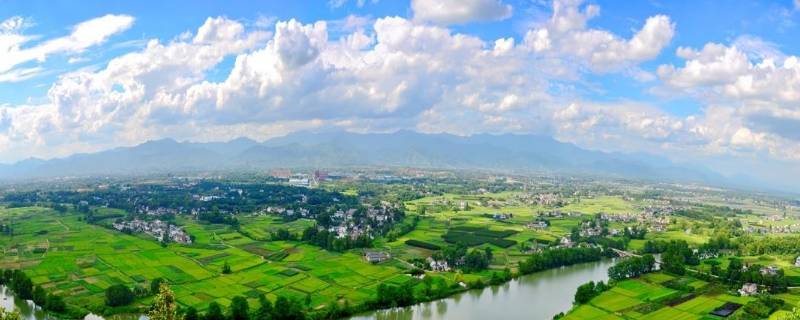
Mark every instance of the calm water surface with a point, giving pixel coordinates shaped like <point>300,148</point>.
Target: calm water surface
<point>29,311</point>
<point>536,296</point>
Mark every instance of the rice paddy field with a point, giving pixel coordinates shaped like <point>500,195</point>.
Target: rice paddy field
<point>647,298</point>
<point>80,261</point>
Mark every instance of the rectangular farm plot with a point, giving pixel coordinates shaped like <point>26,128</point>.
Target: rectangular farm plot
<point>586,312</point>
<point>474,236</point>
<point>701,305</point>
<point>641,290</point>
<point>613,301</point>
<point>669,313</point>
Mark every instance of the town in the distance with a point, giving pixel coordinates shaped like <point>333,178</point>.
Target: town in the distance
<point>325,244</point>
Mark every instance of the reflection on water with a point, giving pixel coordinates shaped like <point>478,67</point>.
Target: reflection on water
<point>538,296</point>
<point>29,311</point>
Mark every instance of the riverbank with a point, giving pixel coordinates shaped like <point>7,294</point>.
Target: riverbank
<point>539,295</point>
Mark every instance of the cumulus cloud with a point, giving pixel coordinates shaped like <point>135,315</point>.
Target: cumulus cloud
<point>13,51</point>
<point>380,75</point>
<point>460,11</point>
<point>752,92</point>
<point>720,71</point>
<point>566,35</point>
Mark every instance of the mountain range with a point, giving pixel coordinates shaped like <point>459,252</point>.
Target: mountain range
<point>344,149</point>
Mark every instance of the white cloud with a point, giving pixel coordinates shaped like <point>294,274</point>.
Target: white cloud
<point>83,35</point>
<point>392,73</point>
<point>720,72</point>
<point>460,11</point>
<point>566,35</point>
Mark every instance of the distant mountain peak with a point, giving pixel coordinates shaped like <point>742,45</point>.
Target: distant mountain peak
<point>338,148</point>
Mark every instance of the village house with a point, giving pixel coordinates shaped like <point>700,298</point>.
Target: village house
<point>376,257</point>
<point>501,216</point>
<point>539,224</point>
<point>438,266</point>
<point>156,228</point>
<point>769,270</point>
<point>748,289</point>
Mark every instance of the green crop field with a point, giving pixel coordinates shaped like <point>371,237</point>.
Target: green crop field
<point>80,261</point>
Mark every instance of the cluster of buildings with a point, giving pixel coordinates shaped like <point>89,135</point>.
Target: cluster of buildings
<point>158,211</point>
<point>159,229</point>
<point>541,199</point>
<point>300,179</point>
<point>756,229</point>
<point>438,265</point>
<point>556,214</point>
<point>353,223</point>
<point>289,213</point>
<point>622,217</point>
<point>537,225</point>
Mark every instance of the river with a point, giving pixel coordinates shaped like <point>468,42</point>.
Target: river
<point>27,310</point>
<point>536,296</point>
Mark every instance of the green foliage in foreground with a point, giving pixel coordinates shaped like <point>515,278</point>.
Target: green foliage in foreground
<point>8,315</point>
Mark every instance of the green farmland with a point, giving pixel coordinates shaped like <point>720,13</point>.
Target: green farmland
<point>80,261</point>
<point>69,257</point>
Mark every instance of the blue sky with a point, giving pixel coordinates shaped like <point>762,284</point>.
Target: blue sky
<point>771,21</point>
<point>701,79</point>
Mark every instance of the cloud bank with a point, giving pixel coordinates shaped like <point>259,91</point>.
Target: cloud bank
<point>393,73</point>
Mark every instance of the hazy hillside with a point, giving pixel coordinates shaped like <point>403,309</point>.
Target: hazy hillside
<point>342,149</point>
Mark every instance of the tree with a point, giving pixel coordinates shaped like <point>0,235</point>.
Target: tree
<point>155,285</point>
<point>55,303</point>
<point>287,309</point>
<point>589,290</point>
<point>214,312</point>
<point>163,307</point>
<point>191,314</point>
<point>264,311</point>
<point>673,263</point>
<point>22,285</point>
<point>39,296</point>
<point>584,293</point>
<point>118,295</point>
<point>239,310</point>
<point>226,268</point>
